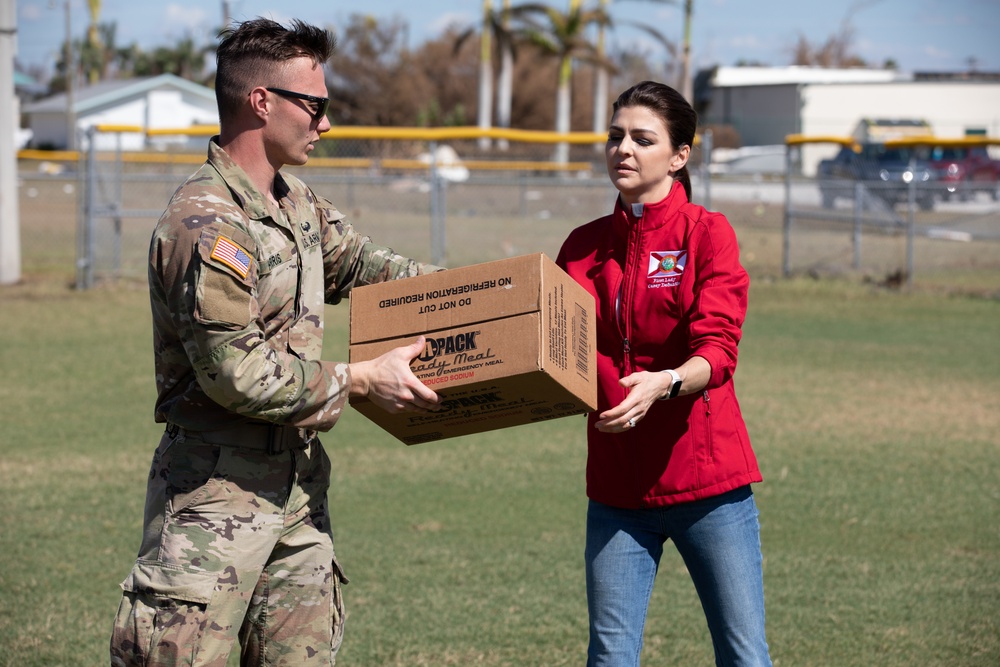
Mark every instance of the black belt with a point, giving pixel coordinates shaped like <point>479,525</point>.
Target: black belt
<point>271,438</point>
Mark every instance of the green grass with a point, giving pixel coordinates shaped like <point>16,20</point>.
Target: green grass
<point>875,417</point>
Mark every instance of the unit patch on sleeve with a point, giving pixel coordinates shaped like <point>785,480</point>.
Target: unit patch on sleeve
<point>232,255</point>
<point>665,268</point>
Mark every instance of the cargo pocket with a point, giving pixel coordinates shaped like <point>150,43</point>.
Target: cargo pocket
<point>162,615</point>
<point>192,473</point>
<point>337,607</point>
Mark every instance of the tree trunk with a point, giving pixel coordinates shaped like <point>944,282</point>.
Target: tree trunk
<point>485,77</point>
<point>600,85</point>
<point>505,92</point>
<point>563,100</point>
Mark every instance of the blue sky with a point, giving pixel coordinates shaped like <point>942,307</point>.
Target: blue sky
<point>921,35</point>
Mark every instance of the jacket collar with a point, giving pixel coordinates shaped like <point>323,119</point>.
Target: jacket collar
<point>250,199</point>
<point>653,215</point>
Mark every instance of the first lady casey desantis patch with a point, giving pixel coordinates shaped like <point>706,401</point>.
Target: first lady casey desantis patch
<point>232,255</point>
<point>665,268</point>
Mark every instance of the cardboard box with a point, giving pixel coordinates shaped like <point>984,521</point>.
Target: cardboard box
<point>508,342</point>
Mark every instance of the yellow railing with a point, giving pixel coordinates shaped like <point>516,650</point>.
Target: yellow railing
<point>51,156</point>
<point>361,132</point>
<point>357,132</point>
<point>398,133</point>
<point>928,140</point>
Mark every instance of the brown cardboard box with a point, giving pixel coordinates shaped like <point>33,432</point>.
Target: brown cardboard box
<point>508,342</point>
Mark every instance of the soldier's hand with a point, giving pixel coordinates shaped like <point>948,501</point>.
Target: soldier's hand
<point>389,383</point>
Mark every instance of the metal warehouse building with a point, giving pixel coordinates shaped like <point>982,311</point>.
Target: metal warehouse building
<point>765,104</point>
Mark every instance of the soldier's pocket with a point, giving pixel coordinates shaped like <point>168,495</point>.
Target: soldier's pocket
<point>193,470</point>
<point>337,607</point>
<point>161,614</point>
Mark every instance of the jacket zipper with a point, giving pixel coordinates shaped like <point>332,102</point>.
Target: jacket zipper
<point>620,317</point>
<point>708,419</point>
<point>621,306</point>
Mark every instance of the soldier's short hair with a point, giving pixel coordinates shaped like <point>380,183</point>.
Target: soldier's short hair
<point>251,53</point>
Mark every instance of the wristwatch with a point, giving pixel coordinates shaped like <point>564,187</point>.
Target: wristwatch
<point>675,385</point>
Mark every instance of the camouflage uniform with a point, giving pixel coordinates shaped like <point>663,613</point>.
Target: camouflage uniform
<point>237,539</point>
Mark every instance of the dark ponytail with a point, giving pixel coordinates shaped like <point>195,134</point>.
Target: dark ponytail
<point>675,112</point>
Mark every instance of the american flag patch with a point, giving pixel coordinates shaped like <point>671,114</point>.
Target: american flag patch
<point>232,256</point>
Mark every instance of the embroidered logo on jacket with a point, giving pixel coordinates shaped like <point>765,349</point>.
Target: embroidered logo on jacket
<point>232,256</point>
<point>665,268</point>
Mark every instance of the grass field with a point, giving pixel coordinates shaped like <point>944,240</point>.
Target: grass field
<point>875,416</point>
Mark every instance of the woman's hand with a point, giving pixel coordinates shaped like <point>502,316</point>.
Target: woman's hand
<point>645,388</point>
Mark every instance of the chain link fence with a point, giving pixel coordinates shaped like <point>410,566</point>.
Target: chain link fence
<point>88,219</point>
<point>891,215</point>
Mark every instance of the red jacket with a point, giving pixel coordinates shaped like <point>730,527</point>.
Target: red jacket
<point>668,286</point>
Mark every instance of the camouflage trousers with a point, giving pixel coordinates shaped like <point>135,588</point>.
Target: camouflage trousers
<point>236,544</point>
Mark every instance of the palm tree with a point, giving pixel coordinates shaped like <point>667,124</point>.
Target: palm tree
<point>601,84</point>
<point>601,73</point>
<point>505,83</point>
<point>495,25</point>
<point>685,85</point>
<point>485,73</point>
<point>562,36</point>
<point>188,59</point>
<point>94,41</point>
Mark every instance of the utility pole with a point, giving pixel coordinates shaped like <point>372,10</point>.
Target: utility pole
<point>10,221</point>
<point>687,84</point>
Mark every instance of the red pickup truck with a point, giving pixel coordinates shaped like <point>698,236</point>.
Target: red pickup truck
<point>964,171</point>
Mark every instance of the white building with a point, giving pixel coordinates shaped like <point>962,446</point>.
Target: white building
<point>765,104</point>
<point>161,102</point>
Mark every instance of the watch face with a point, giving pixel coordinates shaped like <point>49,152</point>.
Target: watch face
<point>675,388</point>
<point>675,385</point>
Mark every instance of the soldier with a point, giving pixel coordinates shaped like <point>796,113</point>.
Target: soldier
<point>237,542</point>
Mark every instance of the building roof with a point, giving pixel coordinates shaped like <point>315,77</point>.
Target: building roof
<point>728,77</point>
<point>107,92</point>
<point>24,84</point>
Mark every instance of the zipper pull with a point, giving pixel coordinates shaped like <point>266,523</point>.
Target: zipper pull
<point>705,397</point>
<point>626,362</point>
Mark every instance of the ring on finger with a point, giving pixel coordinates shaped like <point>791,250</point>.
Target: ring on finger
<point>631,422</point>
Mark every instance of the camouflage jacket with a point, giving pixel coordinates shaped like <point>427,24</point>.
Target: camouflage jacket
<point>237,287</point>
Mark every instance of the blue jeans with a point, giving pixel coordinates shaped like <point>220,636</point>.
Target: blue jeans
<point>719,540</point>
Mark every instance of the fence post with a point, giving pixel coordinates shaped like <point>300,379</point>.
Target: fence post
<point>116,205</point>
<point>10,219</point>
<point>85,247</point>
<point>859,202</point>
<point>786,265</point>
<point>911,222</point>
<point>437,212</point>
<point>523,192</point>
<point>706,166</point>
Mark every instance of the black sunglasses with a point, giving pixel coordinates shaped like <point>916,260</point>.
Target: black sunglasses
<point>321,103</point>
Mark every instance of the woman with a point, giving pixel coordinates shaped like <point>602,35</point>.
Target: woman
<point>668,453</point>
